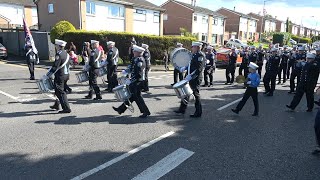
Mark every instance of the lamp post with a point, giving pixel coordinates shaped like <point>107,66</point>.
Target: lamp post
<point>37,2</point>
<point>261,28</point>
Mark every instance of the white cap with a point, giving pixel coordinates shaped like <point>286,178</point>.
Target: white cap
<point>274,50</point>
<point>146,46</point>
<point>138,48</point>
<point>311,56</point>
<point>209,47</point>
<point>233,48</point>
<point>285,46</point>
<point>94,41</point>
<point>60,42</point>
<point>301,48</point>
<point>252,47</point>
<point>197,44</point>
<point>318,49</point>
<point>179,44</point>
<point>253,66</point>
<point>111,43</point>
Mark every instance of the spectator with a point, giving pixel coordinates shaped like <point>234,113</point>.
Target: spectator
<point>85,52</point>
<point>72,48</point>
<point>166,60</point>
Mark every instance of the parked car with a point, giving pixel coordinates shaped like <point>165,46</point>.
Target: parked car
<point>223,57</point>
<point>236,43</point>
<point>293,41</point>
<point>3,52</point>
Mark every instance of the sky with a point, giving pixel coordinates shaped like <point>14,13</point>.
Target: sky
<point>301,12</point>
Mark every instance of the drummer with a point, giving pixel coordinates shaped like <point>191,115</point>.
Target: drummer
<point>194,71</point>
<point>176,71</point>
<point>136,84</point>
<point>60,69</point>
<point>112,65</point>
<point>147,58</point>
<point>210,67</point>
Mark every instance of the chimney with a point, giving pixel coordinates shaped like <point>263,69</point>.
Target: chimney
<point>234,8</point>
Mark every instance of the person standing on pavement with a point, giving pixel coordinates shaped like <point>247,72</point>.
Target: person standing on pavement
<point>296,71</point>
<point>147,57</point>
<point>253,56</point>
<point>32,59</point>
<point>112,64</point>
<point>60,70</point>
<point>292,59</point>
<point>194,71</point>
<point>252,83</point>
<point>231,68</point>
<point>245,62</point>
<point>136,84</point>
<point>176,72</point>
<point>210,67</point>
<point>94,65</point>
<point>261,56</point>
<point>283,65</point>
<point>308,81</point>
<point>271,73</point>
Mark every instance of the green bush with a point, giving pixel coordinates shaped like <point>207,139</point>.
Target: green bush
<point>157,45</point>
<point>59,29</point>
<point>315,38</point>
<point>301,39</point>
<point>278,38</point>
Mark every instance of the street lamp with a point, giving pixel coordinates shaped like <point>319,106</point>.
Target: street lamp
<point>263,11</point>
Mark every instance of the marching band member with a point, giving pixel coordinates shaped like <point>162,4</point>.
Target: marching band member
<point>296,71</point>
<point>136,83</point>
<point>94,65</point>
<point>317,60</point>
<point>232,64</point>
<point>32,58</point>
<point>253,56</point>
<point>147,57</point>
<point>245,62</point>
<point>176,72</point>
<point>283,65</point>
<point>210,67</point>
<point>60,69</point>
<point>131,55</point>
<point>194,77</point>
<point>112,63</point>
<point>252,84</point>
<point>261,55</point>
<point>308,81</point>
<point>291,61</point>
<point>271,72</point>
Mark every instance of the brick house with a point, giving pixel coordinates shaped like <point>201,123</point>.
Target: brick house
<point>281,26</point>
<point>208,25</point>
<point>269,23</point>
<point>134,16</point>
<point>239,25</point>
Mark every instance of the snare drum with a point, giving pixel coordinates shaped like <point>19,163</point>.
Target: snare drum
<point>82,76</point>
<point>102,71</point>
<point>45,85</point>
<point>122,92</point>
<point>183,89</point>
<point>122,80</point>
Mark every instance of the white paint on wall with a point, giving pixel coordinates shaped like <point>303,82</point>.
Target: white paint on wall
<point>146,21</point>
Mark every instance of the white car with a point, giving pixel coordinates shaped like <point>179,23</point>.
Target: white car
<point>293,41</point>
<point>235,43</point>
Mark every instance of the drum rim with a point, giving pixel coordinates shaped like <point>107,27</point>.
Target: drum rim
<point>180,84</point>
<point>179,49</point>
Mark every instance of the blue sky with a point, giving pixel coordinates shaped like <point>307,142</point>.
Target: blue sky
<point>298,11</point>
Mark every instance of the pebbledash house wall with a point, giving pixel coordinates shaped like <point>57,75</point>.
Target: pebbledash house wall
<point>148,26</point>
<point>15,13</point>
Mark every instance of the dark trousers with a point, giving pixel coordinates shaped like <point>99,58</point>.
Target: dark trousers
<point>282,70</point>
<point>93,83</point>
<point>146,81</point>
<point>66,86</point>
<point>243,67</point>
<point>317,127</point>
<point>208,72</point>
<point>270,77</point>
<point>31,68</point>
<point>112,77</point>
<point>250,92</point>
<point>230,70</point>
<point>289,69</point>
<point>260,68</point>
<point>59,91</point>
<point>176,74</point>
<point>294,74</point>
<point>195,86</point>
<point>301,89</point>
<point>135,89</point>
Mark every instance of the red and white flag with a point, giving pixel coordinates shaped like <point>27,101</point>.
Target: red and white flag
<point>28,37</point>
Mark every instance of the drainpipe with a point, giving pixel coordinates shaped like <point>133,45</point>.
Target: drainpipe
<point>80,15</point>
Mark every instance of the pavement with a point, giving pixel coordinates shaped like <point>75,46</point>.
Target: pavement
<point>94,142</point>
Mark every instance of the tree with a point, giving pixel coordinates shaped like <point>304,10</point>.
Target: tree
<point>59,29</point>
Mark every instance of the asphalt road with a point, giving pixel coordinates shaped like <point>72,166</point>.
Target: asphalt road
<point>93,142</point>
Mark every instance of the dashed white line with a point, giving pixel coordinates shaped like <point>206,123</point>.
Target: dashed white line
<point>123,156</point>
<point>165,165</point>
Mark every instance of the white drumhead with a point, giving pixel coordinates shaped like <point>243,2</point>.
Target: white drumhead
<point>181,57</point>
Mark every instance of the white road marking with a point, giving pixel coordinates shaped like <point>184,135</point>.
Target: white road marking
<point>17,98</point>
<point>123,156</point>
<point>234,102</point>
<point>9,95</point>
<point>165,165</point>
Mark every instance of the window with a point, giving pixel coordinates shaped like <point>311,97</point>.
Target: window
<point>222,22</point>
<point>204,20</point>
<point>214,38</point>
<point>156,17</point>
<point>165,17</point>
<point>215,21</point>
<point>204,37</point>
<point>91,7</point>
<point>140,15</point>
<point>195,18</point>
<point>245,35</point>
<point>50,8</point>
<point>115,11</point>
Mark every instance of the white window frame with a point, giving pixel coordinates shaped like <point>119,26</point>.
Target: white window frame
<point>165,17</point>
<point>204,20</point>
<point>142,13</point>
<point>156,16</point>
<point>215,21</point>
<point>92,8</point>
<point>50,8</point>
<point>195,18</point>
<point>120,12</point>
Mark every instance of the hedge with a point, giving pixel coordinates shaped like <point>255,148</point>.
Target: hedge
<point>278,38</point>
<point>315,38</point>
<point>59,29</point>
<point>157,44</point>
<point>301,39</point>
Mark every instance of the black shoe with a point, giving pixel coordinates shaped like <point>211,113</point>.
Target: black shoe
<point>210,85</point>
<point>309,110</point>
<point>144,115</point>
<point>179,112</point>
<point>279,83</point>
<point>88,97</point>
<point>195,115</point>
<point>70,91</point>
<point>226,83</point>
<point>266,92</point>
<point>290,107</point>
<point>173,84</point>
<point>235,111</point>
<point>316,151</point>
<point>290,92</point>
<point>116,109</point>
<point>65,111</point>
<point>317,103</point>
<point>270,94</point>
<point>97,98</point>
<point>205,85</point>
<point>32,78</point>
<point>255,114</point>
<point>56,106</point>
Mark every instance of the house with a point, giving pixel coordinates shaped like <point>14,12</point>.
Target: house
<point>12,13</point>
<point>301,31</point>
<point>268,23</point>
<point>239,25</point>
<point>307,32</point>
<point>295,29</point>
<point>206,24</point>
<point>281,26</point>
<point>134,16</point>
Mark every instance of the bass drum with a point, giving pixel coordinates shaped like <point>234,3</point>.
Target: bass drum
<point>181,57</point>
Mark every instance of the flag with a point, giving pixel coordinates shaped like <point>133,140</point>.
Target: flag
<point>28,37</point>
